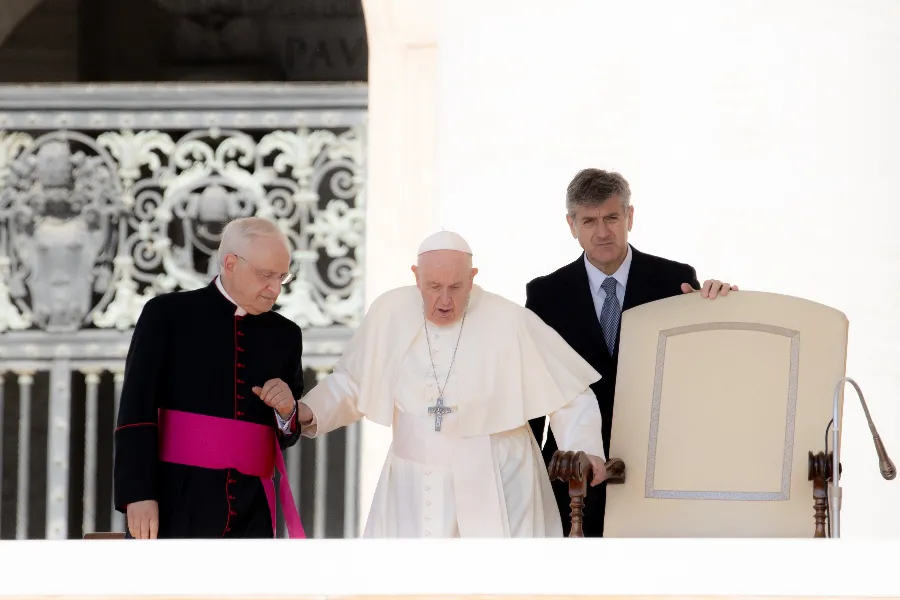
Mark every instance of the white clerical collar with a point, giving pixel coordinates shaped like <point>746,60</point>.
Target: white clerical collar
<point>240,312</point>
<point>597,277</point>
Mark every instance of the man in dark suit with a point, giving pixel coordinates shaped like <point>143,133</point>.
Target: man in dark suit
<point>583,302</point>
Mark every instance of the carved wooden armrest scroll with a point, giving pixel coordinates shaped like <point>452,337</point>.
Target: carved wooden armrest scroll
<point>575,468</point>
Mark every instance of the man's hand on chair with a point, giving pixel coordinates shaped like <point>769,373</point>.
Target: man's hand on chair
<point>599,467</point>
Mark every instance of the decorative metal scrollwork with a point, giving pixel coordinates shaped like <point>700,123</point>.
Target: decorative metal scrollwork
<point>93,227</point>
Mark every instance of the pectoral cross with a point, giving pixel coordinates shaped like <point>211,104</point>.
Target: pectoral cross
<point>439,410</point>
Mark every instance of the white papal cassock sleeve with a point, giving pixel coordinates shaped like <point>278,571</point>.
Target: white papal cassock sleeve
<point>333,404</point>
<point>577,426</point>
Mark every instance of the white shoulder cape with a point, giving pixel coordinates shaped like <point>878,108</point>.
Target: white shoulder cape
<point>511,366</point>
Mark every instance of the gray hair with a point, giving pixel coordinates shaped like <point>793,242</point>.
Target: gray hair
<point>239,234</point>
<point>593,187</point>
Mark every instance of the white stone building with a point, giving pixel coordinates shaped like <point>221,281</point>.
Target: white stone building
<point>759,138</point>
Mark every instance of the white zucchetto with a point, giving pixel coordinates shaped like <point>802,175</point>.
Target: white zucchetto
<point>444,240</point>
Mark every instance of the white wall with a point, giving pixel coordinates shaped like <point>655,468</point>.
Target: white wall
<point>761,139</point>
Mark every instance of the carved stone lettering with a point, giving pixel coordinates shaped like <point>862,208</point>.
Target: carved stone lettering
<point>324,49</point>
<point>304,41</point>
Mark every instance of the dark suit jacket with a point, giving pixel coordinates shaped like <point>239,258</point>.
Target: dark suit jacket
<point>563,300</point>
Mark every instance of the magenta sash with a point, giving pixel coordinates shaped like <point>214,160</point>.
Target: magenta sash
<point>216,443</point>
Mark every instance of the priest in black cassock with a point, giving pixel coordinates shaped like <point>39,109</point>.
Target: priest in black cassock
<point>212,378</point>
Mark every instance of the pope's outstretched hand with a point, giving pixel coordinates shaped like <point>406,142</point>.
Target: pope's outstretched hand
<point>599,467</point>
<point>304,413</point>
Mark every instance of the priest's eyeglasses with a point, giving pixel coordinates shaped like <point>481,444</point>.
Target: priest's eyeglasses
<point>269,276</point>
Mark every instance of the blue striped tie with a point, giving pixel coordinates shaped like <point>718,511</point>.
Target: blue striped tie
<point>610,313</point>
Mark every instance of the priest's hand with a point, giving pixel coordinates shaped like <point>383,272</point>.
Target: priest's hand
<point>710,289</point>
<point>278,395</point>
<point>143,519</point>
<point>598,466</point>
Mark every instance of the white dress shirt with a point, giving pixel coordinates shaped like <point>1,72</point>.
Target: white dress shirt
<point>596,277</point>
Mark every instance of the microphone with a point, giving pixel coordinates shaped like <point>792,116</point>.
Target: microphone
<point>888,470</point>
<point>885,464</point>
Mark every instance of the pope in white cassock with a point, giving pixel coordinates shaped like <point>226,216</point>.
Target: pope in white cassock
<point>458,372</point>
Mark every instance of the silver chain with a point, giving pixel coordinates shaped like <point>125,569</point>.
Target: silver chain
<point>452,360</point>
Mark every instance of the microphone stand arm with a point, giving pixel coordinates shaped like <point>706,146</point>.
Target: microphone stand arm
<point>888,471</point>
<point>836,457</point>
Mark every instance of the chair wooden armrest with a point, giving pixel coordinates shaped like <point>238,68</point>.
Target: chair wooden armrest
<point>105,535</point>
<point>575,468</point>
